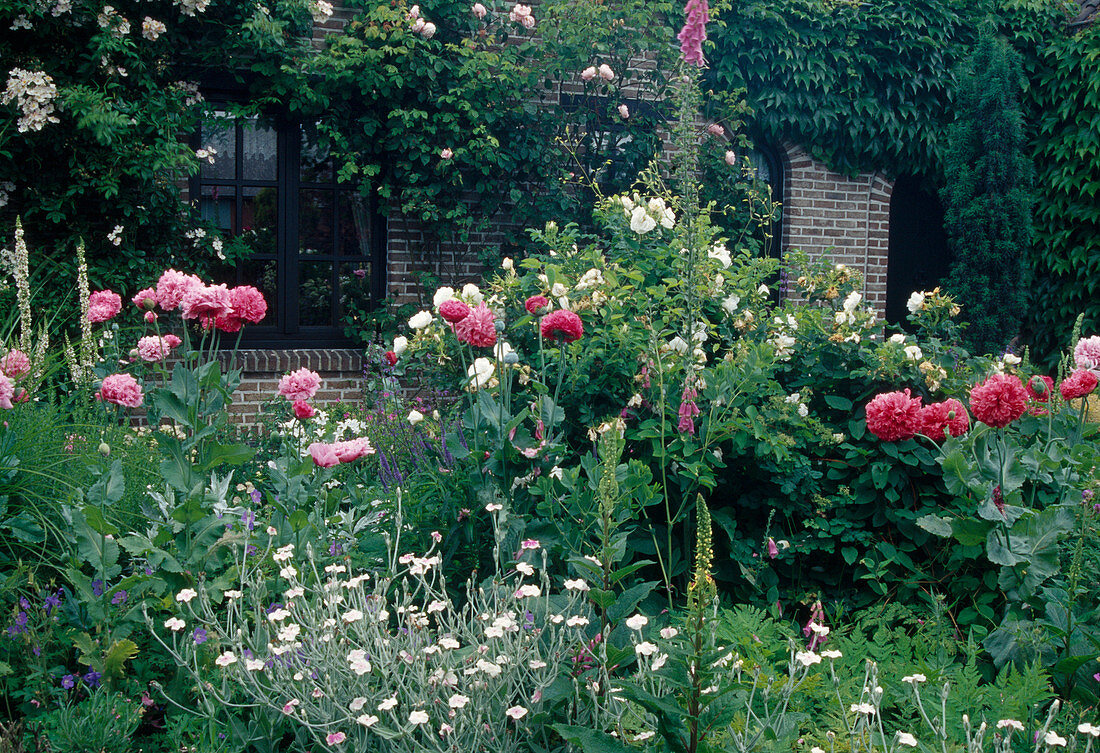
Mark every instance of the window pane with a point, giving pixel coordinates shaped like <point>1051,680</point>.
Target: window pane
<point>218,204</point>
<point>316,162</point>
<point>259,151</point>
<point>356,224</point>
<point>355,290</point>
<point>316,221</point>
<point>259,218</point>
<point>222,136</point>
<point>315,293</point>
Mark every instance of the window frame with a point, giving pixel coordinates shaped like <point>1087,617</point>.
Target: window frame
<point>286,331</point>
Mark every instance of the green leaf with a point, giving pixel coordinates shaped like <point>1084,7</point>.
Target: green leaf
<point>117,655</point>
<point>934,524</point>
<point>590,740</point>
<point>839,402</point>
<point>970,532</point>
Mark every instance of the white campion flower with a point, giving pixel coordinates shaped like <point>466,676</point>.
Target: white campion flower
<point>515,713</point>
<point>175,624</point>
<point>419,320</point>
<point>821,630</point>
<point>641,737</point>
<point>352,615</point>
<point>186,595</point>
<point>904,738</point>
<point>367,720</point>
<point>807,658</point>
<point>1052,738</point>
<point>388,704</point>
<point>254,665</point>
<point>528,591</point>
<point>668,633</point>
<point>831,653</point>
<point>862,708</point>
<point>577,584</point>
<point>637,622</point>
<point>1010,724</point>
<point>658,661</point>
<point>357,703</point>
<point>722,254</point>
<point>914,678</point>
<point>233,593</point>
<point>915,302</point>
<point>1088,729</point>
<point>418,716</point>
<point>576,621</point>
<point>536,664</point>
<point>525,568</point>
<point>224,660</point>
<point>645,648</point>
<point>278,615</point>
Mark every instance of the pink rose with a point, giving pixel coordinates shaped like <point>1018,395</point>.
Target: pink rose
<point>103,305</point>
<point>299,385</point>
<point>588,73</point>
<point>731,158</point>
<point>427,30</point>
<point>173,286</point>
<point>15,364</point>
<point>624,112</point>
<point>478,10</point>
<point>121,389</point>
<point>206,302</point>
<point>446,153</point>
<point>606,73</point>
<point>716,130</point>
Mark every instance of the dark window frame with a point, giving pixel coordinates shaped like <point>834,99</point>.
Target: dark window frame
<point>286,331</point>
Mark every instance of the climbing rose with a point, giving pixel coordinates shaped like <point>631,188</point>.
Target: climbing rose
<point>999,400</point>
<point>454,310</point>
<point>478,328</point>
<point>938,419</point>
<point>478,10</point>
<point>121,389</point>
<point>562,324</point>
<point>299,385</point>
<point>1087,354</point>
<point>535,304</point>
<point>893,416</point>
<point>103,305</point>
<point>15,364</point>
<point>1078,384</point>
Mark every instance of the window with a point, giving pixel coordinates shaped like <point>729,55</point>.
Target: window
<point>315,247</point>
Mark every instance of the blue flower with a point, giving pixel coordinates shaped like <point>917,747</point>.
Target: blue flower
<point>97,587</point>
<point>119,598</point>
<point>68,682</point>
<point>92,678</point>
<point>200,636</point>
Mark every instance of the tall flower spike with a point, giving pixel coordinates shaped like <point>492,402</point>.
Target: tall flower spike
<point>23,286</point>
<point>702,589</point>
<point>694,32</point>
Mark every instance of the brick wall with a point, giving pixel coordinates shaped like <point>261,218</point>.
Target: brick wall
<point>341,371</point>
<point>845,218</point>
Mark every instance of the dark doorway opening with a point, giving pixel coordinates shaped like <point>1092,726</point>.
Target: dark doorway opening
<point>919,257</point>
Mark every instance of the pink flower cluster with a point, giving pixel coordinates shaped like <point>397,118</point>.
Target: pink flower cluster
<point>299,385</point>
<point>326,455</point>
<point>227,309</point>
<point>521,14</point>
<point>999,400</point>
<point>1086,354</point>
<point>562,325</point>
<point>154,348</point>
<point>120,389</point>
<point>1078,384</point>
<point>13,366</point>
<point>103,305</point>
<point>895,416</point>
<point>694,32</point>
<point>478,328</point>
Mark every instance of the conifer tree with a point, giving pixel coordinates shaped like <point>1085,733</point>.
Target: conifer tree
<point>986,197</point>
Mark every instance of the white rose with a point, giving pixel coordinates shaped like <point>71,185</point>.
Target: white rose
<point>480,372</point>
<point>472,293</point>
<point>720,253</point>
<point>415,417</point>
<point>730,304</point>
<point>640,221</point>
<point>420,320</point>
<point>401,343</point>
<point>915,302</point>
<point>913,352</point>
<point>442,296</point>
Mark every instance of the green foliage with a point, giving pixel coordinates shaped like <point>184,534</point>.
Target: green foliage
<point>987,197</point>
<point>102,723</point>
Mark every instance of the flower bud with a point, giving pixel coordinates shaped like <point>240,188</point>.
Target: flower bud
<point>104,449</point>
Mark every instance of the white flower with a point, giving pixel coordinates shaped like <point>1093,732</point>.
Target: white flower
<point>480,372</point>
<point>253,665</point>
<point>898,338</point>
<point>731,303</point>
<point>668,633</point>
<point>289,572</point>
<point>536,664</point>
<point>449,642</point>
<point>457,701</point>
<point>817,629</point>
<point>357,703</point>
<point>388,704</point>
<point>442,296</point>
<point>528,591</point>
<point>605,72</point>
<point>914,678</point>
<point>472,294</point>
<point>516,713</point>
<point>419,320</point>
<point>576,585</point>
<point>419,716</point>
<point>763,290</point>
<point>1053,738</point>
<point>1088,729</point>
<point>186,595</point>
<point>665,215</point>
<point>415,417</point>
<point>576,621</point>
<point>525,568</point>
<point>862,708</point>
<point>904,738</point>
<point>226,659</point>
<point>641,737</point>
<point>277,615</point>
<point>915,302</point>
<point>831,653</point>
<point>401,343</point>
<point>175,624</point>
<point>784,345</point>
<point>1010,724</point>
<point>645,648</point>
<point>679,345</point>
<point>234,594</point>
<point>640,221</point>
<point>659,661</point>
<point>720,253</point>
<point>913,352</point>
<point>367,720</point>
<point>352,615</point>
<point>1011,359</point>
<point>637,622</point>
<point>806,658</point>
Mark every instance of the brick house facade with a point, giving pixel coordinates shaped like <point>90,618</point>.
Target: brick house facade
<point>824,213</point>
